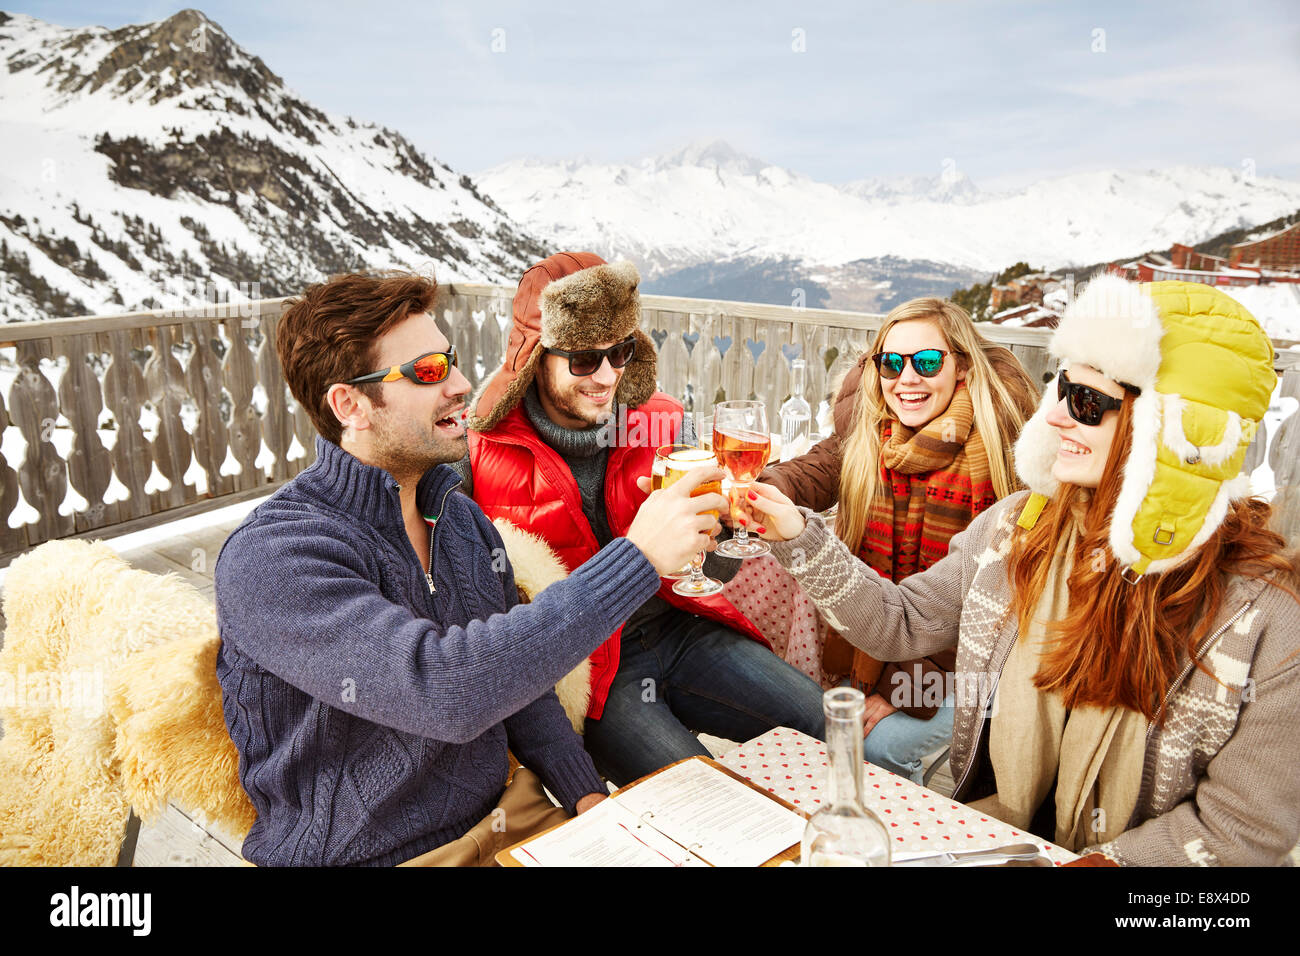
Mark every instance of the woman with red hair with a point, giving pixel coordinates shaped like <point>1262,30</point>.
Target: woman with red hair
<point>1128,630</point>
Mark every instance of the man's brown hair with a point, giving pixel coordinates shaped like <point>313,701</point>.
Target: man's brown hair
<point>328,335</point>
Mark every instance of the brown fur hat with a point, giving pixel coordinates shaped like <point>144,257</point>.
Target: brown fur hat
<point>573,300</point>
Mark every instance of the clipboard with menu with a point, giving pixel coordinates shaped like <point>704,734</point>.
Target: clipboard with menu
<point>691,813</point>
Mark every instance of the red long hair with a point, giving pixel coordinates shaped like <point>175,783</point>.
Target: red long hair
<point>1124,644</point>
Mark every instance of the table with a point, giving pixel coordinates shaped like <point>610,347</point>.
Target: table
<point>793,766</point>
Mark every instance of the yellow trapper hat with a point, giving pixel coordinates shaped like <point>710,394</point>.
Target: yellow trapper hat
<point>1205,368</point>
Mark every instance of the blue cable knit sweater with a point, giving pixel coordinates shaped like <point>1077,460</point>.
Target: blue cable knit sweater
<point>371,716</point>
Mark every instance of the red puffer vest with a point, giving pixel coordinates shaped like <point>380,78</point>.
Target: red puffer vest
<point>519,477</point>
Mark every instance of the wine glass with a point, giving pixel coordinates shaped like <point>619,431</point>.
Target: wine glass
<point>657,472</point>
<point>742,445</point>
<point>677,462</point>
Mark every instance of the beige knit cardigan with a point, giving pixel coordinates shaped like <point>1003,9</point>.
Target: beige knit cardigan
<point>1221,774</point>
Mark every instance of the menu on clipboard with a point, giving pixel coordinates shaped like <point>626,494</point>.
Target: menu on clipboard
<point>693,813</point>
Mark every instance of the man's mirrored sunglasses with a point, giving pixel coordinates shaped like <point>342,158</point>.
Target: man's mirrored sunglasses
<point>587,361</point>
<point>1086,405</point>
<point>428,369</point>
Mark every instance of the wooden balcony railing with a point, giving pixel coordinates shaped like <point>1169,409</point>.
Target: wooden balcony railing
<point>201,417</point>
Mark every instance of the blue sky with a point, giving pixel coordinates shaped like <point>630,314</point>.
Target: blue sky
<point>1007,90</point>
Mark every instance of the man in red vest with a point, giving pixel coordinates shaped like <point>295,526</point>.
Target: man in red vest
<point>558,438</point>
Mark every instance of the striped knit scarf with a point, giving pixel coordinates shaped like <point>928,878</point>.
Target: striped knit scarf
<point>933,482</point>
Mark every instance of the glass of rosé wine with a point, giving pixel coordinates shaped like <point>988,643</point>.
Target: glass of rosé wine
<point>742,445</point>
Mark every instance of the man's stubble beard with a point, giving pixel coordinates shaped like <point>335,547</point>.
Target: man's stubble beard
<point>567,403</point>
<point>409,452</point>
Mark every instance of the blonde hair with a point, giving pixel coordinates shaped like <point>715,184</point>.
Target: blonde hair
<point>998,417</point>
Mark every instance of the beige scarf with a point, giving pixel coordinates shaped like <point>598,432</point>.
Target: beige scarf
<point>1093,754</point>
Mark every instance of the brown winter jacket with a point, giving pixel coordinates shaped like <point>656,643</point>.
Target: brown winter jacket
<point>813,481</point>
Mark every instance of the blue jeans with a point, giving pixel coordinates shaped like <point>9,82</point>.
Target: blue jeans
<point>687,673</point>
<point>899,742</point>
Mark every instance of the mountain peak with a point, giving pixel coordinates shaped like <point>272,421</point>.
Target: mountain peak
<point>712,154</point>
<point>162,60</point>
<point>183,159</point>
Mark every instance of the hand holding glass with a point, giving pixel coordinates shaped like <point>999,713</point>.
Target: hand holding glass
<point>672,463</point>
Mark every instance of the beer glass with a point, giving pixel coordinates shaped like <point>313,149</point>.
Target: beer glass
<point>677,462</point>
<point>742,445</point>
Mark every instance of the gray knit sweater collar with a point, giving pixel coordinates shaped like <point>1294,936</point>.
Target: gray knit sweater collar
<point>569,442</point>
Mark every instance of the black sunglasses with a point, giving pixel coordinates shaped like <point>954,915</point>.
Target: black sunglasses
<point>587,361</point>
<point>1086,405</point>
<point>428,369</point>
<point>927,362</point>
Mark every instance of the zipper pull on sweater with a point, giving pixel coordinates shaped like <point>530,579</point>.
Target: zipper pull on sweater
<point>432,522</point>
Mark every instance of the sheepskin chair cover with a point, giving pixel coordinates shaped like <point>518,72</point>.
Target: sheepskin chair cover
<point>172,743</point>
<point>75,613</point>
<point>536,566</point>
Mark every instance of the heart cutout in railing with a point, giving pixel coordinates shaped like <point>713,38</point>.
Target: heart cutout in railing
<point>691,339</point>
<point>183,352</point>
<point>142,356</point>
<point>791,352</point>
<point>755,348</point>
<point>723,342</point>
<point>660,336</point>
<point>218,347</point>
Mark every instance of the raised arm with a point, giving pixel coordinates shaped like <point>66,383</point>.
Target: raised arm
<point>813,479</point>
<point>321,624</point>
<point>891,622</point>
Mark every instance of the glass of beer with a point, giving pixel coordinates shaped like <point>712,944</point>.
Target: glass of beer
<point>742,445</point>
<point>657,472</point>
<point>676,462</point>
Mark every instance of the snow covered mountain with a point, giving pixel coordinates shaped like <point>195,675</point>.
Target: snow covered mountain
<point>144,166</point>
<point>709,203</point>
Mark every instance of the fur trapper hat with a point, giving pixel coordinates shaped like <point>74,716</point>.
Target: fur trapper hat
<point>572,300</point>
<point>1205,369</point>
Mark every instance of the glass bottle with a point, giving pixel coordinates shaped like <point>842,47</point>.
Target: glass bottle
<point>796,415</point>
<point>843,832</point>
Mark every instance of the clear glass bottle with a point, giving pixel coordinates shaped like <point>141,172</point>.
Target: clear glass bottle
<point>796,415</point>
<point>843,832</point>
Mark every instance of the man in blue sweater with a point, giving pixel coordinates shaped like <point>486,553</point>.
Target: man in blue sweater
<point>375,662</point>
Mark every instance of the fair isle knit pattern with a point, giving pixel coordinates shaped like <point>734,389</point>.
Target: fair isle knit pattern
<point>1220,771</point>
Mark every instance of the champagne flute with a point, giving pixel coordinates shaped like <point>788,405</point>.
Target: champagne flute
<point>678,460</point>
<point>742,444</point>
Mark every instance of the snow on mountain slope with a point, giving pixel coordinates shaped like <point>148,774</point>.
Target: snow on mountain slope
<point>709,203</point>
<point>143,165</point>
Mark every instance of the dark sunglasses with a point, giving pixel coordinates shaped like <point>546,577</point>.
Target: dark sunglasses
<point>1087,406</point>
<point>587,361</point>
<point>927,362</point>
<point>428,369</point>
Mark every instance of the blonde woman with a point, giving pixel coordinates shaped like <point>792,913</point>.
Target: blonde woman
<point>924,425</point>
